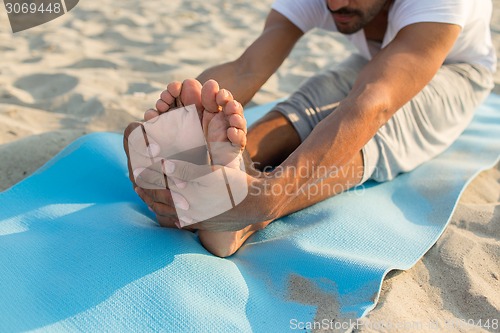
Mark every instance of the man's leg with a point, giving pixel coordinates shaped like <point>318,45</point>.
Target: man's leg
<point>430,122</point>
<point>271,140</point>
<point>276,135</point>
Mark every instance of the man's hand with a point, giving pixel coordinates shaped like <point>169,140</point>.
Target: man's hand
<point>211,198</point>
<point>197,196</point>
<point>214,194</point>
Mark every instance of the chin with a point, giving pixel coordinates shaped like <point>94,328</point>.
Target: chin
<point>347,30</point>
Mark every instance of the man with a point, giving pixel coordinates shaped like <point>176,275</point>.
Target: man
<point>422,68</point>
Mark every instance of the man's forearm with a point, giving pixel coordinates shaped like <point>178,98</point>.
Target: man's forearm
<point>244,76</point>
<point>329,161</point>
<point>394,76</point>
<point>234,77</point>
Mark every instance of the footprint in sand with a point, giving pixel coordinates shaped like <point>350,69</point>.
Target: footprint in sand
<point>46,86</point>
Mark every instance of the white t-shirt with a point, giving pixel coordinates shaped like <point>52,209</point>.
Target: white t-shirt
<point>473,45</point>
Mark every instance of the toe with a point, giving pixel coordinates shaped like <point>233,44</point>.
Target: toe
<point>223,97</point>
<point>237,137</point>
<point>208,96</point>
<point>191,94</point>
<point>162,106</point>
<point>235,117</point>
<point>168,96</point>
<point>237,121</point>
<point>173,91</point>
<point>180,94</point>
<point>233,107</point>
<point>150,114</point>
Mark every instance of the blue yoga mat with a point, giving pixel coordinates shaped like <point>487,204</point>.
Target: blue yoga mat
<point>80,251</point>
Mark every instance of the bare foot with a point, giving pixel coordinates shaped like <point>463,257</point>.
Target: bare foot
<point>225,130</point>
<point>223,124</point>
<point>176,95</point>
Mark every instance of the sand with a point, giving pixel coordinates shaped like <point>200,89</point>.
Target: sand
<point>100,66</point>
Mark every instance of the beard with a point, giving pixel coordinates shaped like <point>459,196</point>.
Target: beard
<point>358,19</point>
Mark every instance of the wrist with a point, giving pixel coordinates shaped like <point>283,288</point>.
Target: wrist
<point>270,193</point>
<point>262,198</point>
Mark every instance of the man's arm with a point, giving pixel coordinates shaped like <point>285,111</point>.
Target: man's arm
<point>244,76</point>
<point>395,75</point>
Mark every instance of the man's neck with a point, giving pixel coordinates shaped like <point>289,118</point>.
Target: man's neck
<point>375,30</point>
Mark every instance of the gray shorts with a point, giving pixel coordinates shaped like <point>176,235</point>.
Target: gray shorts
<point>420,130</point>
